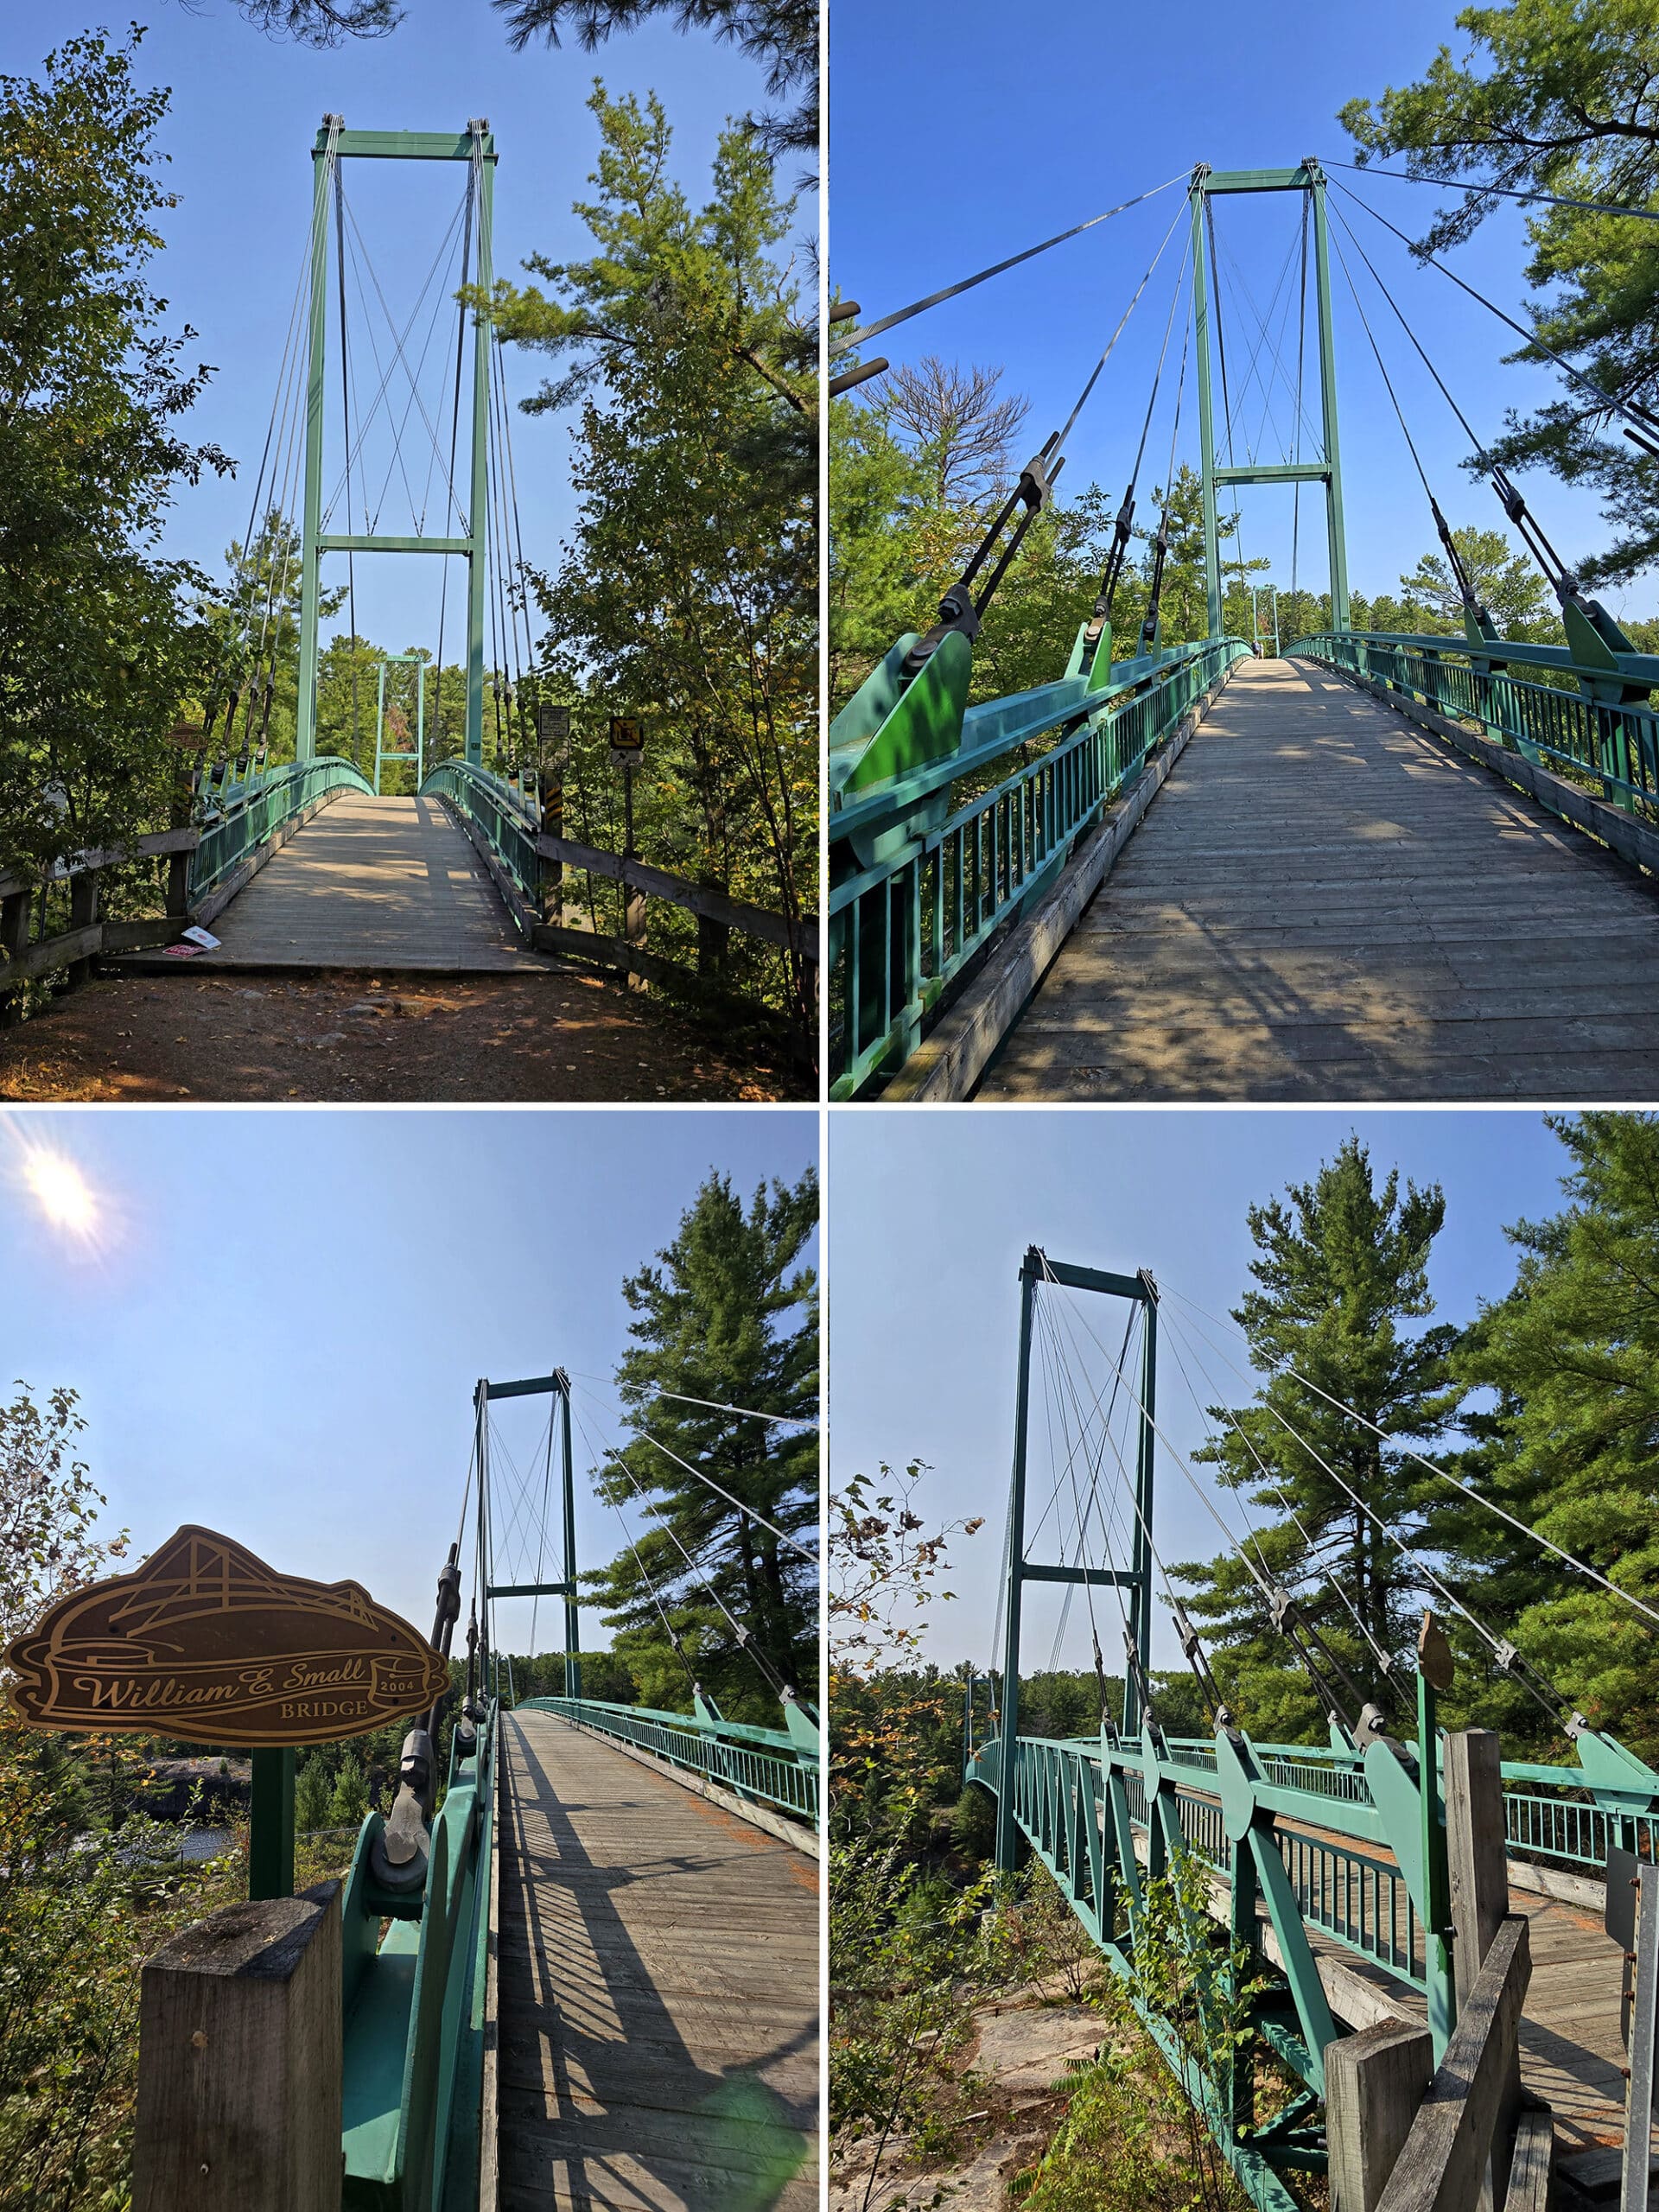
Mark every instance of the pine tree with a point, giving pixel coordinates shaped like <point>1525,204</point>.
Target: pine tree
<point>1340,1264</point>
<point>312,1792</point>
<point>728,1314</point>
<point>349,1800</point>
<point>1572,1447</point>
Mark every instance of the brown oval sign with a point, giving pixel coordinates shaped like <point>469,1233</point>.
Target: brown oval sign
<point>206,1642</point>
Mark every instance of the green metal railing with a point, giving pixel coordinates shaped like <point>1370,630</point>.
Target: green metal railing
<point>760,1764</point>
<point>928,864</point>
<point>505,817</point>
<point>236,820</point>
<point>414,2007</point>
<point>1604,733</point>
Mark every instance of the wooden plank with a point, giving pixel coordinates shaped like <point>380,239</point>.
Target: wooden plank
<point>658,1991</point>
<point>1323,883</point>
<point>696,898</point>
<point>1440,2167</point>
<point>1535,2145</point>
<point>1374,2083</point>
<point>954,1055</point>
<point>239,2061</point>
<point>376,884</point>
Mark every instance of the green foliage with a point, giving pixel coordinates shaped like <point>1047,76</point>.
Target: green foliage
<point>348,1802</point>
<point>781,36</point>
<point>1339,1268</point>
<point>1508,584</point>
<point>48,1505</point>
<point>312,1792</point>
<point>1557,96</point>
<point>1571,1445</point>
<point>97,644</point>
<point>727,1314</point>
<point>688,591</point>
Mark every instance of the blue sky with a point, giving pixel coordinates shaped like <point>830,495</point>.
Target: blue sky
<point>277,1332</point>
<point>983,131</point>
<point>930,1213</point>
<point>244,115</point>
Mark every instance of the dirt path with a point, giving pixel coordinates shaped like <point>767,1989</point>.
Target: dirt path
<point>550,1036</point>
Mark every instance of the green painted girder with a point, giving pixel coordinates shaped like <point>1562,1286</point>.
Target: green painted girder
<point>1097,1578</point>
<point>528,1589</point>
<point>413,2022</point>
<point>1288,472</point>
<point>1296,180</point>
<point>382,542</point>
<point>408,145</point>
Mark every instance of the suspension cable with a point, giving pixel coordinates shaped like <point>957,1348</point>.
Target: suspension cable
<point>1499,191</point>
<point>862,336</point>
<point>1121,528</point>
<point>1606,402</point>
<point>1580,1565</point>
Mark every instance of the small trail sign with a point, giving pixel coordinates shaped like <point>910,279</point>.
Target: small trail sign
<point>206,1642</point>
<point>627,740</point>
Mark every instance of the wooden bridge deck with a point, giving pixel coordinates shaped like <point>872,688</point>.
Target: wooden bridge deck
<point>1324,903</point>
<point>373,883</point>
<point>658,1991</point>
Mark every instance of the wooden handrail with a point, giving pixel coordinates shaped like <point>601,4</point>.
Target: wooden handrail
<point>696,898</point>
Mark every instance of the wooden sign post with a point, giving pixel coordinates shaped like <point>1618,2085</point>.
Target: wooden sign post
<point>206,1642</point>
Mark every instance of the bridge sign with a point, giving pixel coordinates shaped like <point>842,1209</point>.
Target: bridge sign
<point>206,1642</point>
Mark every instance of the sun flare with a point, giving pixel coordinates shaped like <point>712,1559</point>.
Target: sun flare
<point>62,1192</point>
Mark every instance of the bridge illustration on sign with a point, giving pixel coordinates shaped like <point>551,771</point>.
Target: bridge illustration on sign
<point>1348,841</point>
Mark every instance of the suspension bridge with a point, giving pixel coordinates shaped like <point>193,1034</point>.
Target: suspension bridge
<point>584,1975</point>
<point>340,806</point>
<point>1399,1961</point>
<point>1214,869</point>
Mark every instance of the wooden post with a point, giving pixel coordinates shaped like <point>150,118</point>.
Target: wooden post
<point>1460,2119</point>
<point>15,908</point>
<point>239,2063</point>
<point>83,913</point>
<point>1480,1898</point>
<point>1474,1840</point>
<point>1374,2083</point>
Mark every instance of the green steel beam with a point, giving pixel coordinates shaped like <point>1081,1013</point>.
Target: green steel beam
<point>538,1386</point>
<point>1328,404</point>
<point>408,145</point>
<point>305,726</point>
<point>1008,1851</point>
<point>478,515</point>
<point>1207,413</point>
<point>1097,1578</point>
<point>1290,471</point>
<point>361,541</point>
<point>572,1610</point>
<point>1097,1279</point>
<point>1296,180</point>
<point>528,1589</point>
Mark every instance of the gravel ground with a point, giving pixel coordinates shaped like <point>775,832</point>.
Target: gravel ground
<point>552,1036</point>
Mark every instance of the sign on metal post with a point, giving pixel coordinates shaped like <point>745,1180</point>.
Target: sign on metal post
<point>206,1642</point>
<point>552,733</point>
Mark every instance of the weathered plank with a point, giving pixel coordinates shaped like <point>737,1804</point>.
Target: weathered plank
<point>1535,2143</point>
<point>696,898</point>
<point>1374,2083</point>
<point>373,883</point>
<point>1328,903</point>
<point>658,1989</point>
<point>1451,2140</point>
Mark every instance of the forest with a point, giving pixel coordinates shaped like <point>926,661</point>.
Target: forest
<point>1535,1418</point>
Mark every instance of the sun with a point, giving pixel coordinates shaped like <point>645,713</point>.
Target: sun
<point>63,1193</point>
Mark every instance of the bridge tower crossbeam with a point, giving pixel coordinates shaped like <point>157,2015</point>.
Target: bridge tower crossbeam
<point>1137,1580</point>
<point>334,144</point>
<point>1310,178</point>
